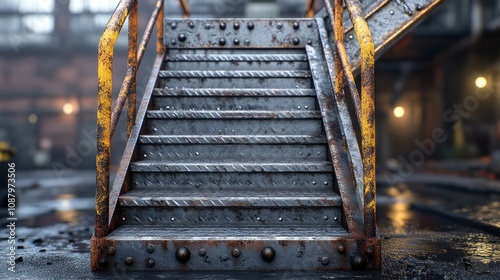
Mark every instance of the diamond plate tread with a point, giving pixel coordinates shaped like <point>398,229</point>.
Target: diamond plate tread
<point>235,57</point>
<point>235,74</point>
<point>162,197</point>
<point>159,114</point>
<point>232,139</point>
<point>216,92</point>
<point>231,166</point>
<point>285,83</point>
<point>240,233</point>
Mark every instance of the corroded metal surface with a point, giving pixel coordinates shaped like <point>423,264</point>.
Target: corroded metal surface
<point>234,74</point>
<point>233,139</point>
<point>254,92</point>
<point>254,58</point>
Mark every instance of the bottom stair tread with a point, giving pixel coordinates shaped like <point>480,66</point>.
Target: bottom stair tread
<point>235,232</point>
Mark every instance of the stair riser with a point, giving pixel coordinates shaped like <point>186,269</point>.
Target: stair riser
<point>235,103</point>
<point>212,180</point>
<point>234,127</point>
<point>217,254</point>
<point>235,82</point>
<point>233,152</point>
<point>217,216</point>
<point>240,65</point>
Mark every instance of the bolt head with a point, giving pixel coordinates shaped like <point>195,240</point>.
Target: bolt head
<point>309,42</point>
<point>111,251</point>
<point>129,261</point>
<point>182,37</point>
<point>296,25</point>
<point>280,25</point>
<point>182,254</point>
<point>222,25</point>
<point>207,26</point>
<point>419,7</point>
<point>236,42</point>
<point>341,249</point>
<point>191,24</point>
<point>150,248</point>
<point>236,252</point>
<point>250,25</point>
<point>222,41</point>
<point>236,25</point>
<point>370,251</point>
<point>325,260</point>
<point>173,25</point>
<point>150,263</point>
<point>268,254</point>
<point>247,42</point>
<point>295,41</point>
<point>202,252</point>
<point>103,262</point>
<point>309,24</point>
<point>358,262</point>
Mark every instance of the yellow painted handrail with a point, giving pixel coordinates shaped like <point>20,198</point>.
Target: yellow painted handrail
<point>106,120</point>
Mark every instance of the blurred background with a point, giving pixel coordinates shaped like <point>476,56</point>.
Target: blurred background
<point>426,83</point>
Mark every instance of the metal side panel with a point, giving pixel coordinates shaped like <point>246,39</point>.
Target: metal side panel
<point>240,33</point>
<point>234,248</point>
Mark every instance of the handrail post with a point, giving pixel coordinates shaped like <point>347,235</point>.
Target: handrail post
<point>367,113</point>
<point>310,8</point>
<point>132,63</point>
<point>160,46</point>
<point>104,95</point>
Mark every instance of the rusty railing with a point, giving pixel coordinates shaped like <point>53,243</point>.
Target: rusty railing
<point>107,119</point>
<point>364,106</point>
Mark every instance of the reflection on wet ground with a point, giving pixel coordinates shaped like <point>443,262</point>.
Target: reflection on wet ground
<point>57,223</point>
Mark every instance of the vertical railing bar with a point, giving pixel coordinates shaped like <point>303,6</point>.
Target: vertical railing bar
<point>160,45</point>
<point>186,12</point>
<point>310,8</point>
<point>367,113</point>
<point>132,63</point>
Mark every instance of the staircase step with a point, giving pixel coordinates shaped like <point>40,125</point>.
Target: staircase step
<point>225,74</point>
<point>232,139</point>
<point>160,114</point>
<point>231,166</point>
<point>231,248</point>
<point>322,181</point>
<point>229,198</point>
<point>236,92</point>
<point>282,79</point>
<point>235,57</point>
<point>307,103</point>
<point>229,216</point>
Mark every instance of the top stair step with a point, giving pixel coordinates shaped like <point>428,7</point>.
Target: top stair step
<point>235,57</point>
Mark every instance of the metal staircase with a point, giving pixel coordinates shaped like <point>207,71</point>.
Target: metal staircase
<point>243,154</point>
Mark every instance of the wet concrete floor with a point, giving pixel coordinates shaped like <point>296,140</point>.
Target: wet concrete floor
<point>419,240</point>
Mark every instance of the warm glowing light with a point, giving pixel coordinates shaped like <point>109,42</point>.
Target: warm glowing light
<point>68,108</point>
<point>33,118</point>
<point>481,82</point>
<point>399,112</point>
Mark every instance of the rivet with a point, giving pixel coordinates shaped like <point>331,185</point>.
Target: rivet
<point>197,153</point>
<point>236,252</point>
<point>182,254</point>
<point>318,153</point>
<point>222,25</point>
<point>258,218</point>
<point>419,7</point>
<point>268,254</point>
<point>123,219</point>
<point>150,248</point>
<point>370,251</point>
<point>236,41</point>
<point>155,129</point>
<point>173,42</point>
<point>103,262</point>
<point>222,41</point>
<point>111,251</point>
<point>145,155</point>
<point>207,26</point>
<point>280,219</point>
<point>150,263</point>
<point>173,25</point>
<point>325,260</point>
<point>341,249</point>
<point>351,37</point>
<point>236,25</point>
<point>298,107</point>
<point>305,107</point>
<point>182,37</point>
<point>250,25</point>
<point>129,261</point>
<point>358,262</point>
<point>335,219</point>
<point>295,41</point>
<point>296,25</point>
<point>391,12</point>
<point>280,25</point>
<point>309,24</point>
<point>172,219</point>
<point>309,42</point>
<point>325,217</point>
<point>202,252</point>
<point>314,182</point>
<point>191,24</point>
<point>247,42</point>
<point>326,183</point>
